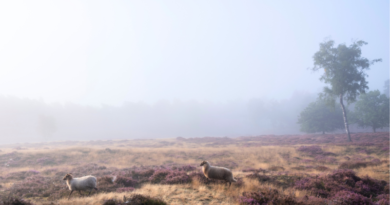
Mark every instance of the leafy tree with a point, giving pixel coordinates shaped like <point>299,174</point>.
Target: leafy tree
<point>372,110</point>
<point>344,71</point>
<point>319,117</point>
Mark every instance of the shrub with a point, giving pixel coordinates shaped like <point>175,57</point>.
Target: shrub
<point>126,181</point>
<point>159,175</point>
<point>105,180</point>
<point>370,187</point>
<point>341,180</point>
<point>383,199</point>
<point>352,165</point>
<point>349,198</point>
<point>310,150</point>
<point>136,200</point>
<point>177,177</point>
<point>15,201</point>
<point>142,173</point>
<point>266,196</point>
<point>187,168</point>
<point>139,199</point>
<point>260,178</point>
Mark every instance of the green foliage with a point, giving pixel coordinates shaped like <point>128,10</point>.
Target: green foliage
<point>344,69</point>
<point>372,110</point>
<point>318,117</point>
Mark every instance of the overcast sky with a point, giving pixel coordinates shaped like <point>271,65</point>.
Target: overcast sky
<point>109,52</point>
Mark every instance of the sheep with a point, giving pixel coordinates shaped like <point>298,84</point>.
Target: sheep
<point>82,183</point>
<point>220,173</point>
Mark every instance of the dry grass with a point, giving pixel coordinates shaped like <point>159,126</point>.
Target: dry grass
<point>148,153</point>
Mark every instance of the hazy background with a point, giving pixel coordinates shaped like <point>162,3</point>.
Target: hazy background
<point>132,69</point>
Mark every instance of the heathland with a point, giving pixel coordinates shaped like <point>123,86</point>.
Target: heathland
<point>270,169</point>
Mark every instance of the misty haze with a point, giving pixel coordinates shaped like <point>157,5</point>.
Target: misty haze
<point>140,93</point>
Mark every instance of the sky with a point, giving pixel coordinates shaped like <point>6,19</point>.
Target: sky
<point>111,52</point>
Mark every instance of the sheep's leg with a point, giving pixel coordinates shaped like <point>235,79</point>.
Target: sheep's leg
<point>70,194</point>
<point>230,183</point>
<point>80,193</point>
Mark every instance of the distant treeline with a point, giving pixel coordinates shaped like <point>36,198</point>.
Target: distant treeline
<point>26,120</point>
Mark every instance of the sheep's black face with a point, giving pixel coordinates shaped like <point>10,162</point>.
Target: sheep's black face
<point>203,163</point>
<point>67,176</point>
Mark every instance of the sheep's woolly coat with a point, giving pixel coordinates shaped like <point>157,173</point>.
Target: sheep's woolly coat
<point>82,183</point>
<point>220,173</point>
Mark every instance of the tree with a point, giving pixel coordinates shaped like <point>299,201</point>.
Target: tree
<point>386,88</point>
<point>319,117</point>
<point>344,71</point>
<point>372,110</point>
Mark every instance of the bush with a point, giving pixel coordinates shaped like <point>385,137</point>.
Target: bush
<point>260,178</point>
<point>383,199</point>
<point>142,174</point>
<point>136,200</point>
<point>141,200</point>
<point>266,196</point>
<point>310,150</point>
<point>177,177</point>
<point>126,181</point>
<point>353,165</point>
<point>350,198</point>
<point>159,176</point>
<point>15,201</point>
<point>342,180</point>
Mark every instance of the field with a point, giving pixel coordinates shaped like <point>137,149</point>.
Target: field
<point>300,169</point>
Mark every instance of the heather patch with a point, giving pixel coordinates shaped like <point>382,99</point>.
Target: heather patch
<point>266,196</point>
<point>169,176</point>
<point>310,150</point>
<point>126,181</point>
<point>327,185</point>
<point>383,199</point>
<point>348,198</point>
<point>136,199</point>
<point>14,201</point>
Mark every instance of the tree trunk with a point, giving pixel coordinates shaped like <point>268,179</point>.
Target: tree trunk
<point>345,118</point>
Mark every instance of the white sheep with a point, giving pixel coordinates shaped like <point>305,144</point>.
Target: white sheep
<point>220,173</point>
<point>82,183</point>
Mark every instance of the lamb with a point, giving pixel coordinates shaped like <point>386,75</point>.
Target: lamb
<point>82,183</point>
<point>220,173</point>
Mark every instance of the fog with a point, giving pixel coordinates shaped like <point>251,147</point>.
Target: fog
<point>87,70</point>
<point>27,120</point>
